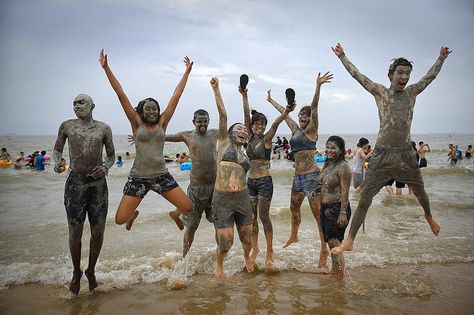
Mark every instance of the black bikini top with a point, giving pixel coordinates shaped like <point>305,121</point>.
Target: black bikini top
<point>231,155</point>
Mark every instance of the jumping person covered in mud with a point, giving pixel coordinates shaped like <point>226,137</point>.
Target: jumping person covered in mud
<point>86,189</point>
<point>202,146</point>
<point>259,181</point>
<point>149,171</point>
<point>231,203</point>
<point>303,146</point>
<point>393,156</point>
<point>334,183</point>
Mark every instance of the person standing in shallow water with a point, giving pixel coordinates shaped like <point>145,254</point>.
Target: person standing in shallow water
<point>231,203</point>
<point>303,147</point>
<point>334,183</point>
<point>202,146</point>
<point>393,157</point>
<point>86,189</point>
<point>149,171</point>
<point>259,182</point>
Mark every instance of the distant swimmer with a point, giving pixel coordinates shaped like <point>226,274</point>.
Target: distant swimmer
<point>149,170</point>
<point>4,155</point>
<point>303,146</point>
<point>393,156</point>
<point>86,189</point>
<point>468,152</point>
<point>423,148</point>
<point>452,155</point>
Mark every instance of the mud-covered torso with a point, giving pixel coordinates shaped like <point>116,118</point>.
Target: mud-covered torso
<point>232,170</point>
<point>203,152</point>
<point>149,161</point>
<point>396,114</point>
<point>259,157</point>
<point>303,150</point>
<point>329,182</point>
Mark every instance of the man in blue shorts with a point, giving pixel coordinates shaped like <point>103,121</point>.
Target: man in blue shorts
<point>86,189</point>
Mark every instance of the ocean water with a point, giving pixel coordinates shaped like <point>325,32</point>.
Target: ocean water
<point>34,234</point>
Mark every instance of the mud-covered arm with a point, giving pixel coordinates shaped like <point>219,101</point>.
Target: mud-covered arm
<point>59,147</point>
<point>419,86</point>
<point>274,127</point>
<point>245,103</point>
<point>220,108</point>
<point>290,122</point>
<point>178,91</point>
<point>314,122</point>
<point>109,148</point>
<point>368,84</point>
<point>345,176</point>
<point>130,112</point>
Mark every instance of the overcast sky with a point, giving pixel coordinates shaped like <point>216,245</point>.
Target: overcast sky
<point>49,54</point>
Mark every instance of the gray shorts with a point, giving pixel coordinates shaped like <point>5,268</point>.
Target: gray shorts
<point>85,195</point>
<point>358,179</point>
<point>231,207</point>
<point>386,164</point>
<point>201,197</point>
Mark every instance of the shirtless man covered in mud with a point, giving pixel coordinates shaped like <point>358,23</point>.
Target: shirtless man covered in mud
<point>202,146</point>
<point>86,189</point>
<point>393,156</point>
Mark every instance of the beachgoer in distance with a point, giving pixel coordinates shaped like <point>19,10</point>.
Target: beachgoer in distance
<point>468,152</point>
<point>119,161</point>
<point>360,158</point>
<point>41,161</point>
<point>303,145</point>
<point>85,191</point>
<point>149,171</point>
<point>4,155</point>
<point>259,182</point>
<point>202,146</point>
<point>452,156</point>
<point>393,155</point>
<point>422,149</point>
<point>334,183</point>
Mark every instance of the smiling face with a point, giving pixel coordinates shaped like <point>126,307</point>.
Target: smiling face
<point>151,112</point>
<point>304,117</point>
<point>332,150</point>
<point>201,122</point>
<point>258,127</point>
<point>400,77</point>
<point>238,134</point>
<point>83,106</point>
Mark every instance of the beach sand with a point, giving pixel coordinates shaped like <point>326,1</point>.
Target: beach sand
<point>400,289</point>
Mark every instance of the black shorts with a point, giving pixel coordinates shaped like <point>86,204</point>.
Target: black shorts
<point>261,188</point>
<point>139,187</point>
<point>85,195</point>
<point>423,163</point>
<point>329,215</point>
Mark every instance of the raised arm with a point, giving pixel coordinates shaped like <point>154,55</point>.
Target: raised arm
<point>419,86</point>
<point>290,122</point>
<point>313,125</point>
<point>273,129</point>
<point>245,102</point>
<point>345,176</point>
<point>59,147</point>
<point>132,115</point>
<point>370,86</point>
<point>220,108</point>
<point>178,91</point>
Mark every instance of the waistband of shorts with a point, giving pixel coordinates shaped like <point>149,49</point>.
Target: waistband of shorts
<point>82,176</point>
<point>330,205</point>
<point>398,149</point>
<point>231,194</point>
<point>150,178</point>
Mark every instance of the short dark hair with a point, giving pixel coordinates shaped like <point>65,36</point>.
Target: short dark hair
<point>363,141</point>
<point>421,142</point>
<point>398,62</point>
<point>200,112</point>
<point>43,152</point>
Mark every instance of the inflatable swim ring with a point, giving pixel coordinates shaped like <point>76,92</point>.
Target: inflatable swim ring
<point>5,163</point>
<point>186,166</point>
<point>320,159</point>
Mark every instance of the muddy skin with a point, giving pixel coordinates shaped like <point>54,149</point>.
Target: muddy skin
<point>395,107</point>
<point>304,162</point>
<point>86,139</point>
<point>261,142</point>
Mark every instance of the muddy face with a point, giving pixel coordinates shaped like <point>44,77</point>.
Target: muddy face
<point>239,134</point>
<point>150,112</point>
<point>332,150</point>
<point>258,127</point>
<point>201,122</point>
<point>304,117</point>
<point>400,78</point>
<point>83,106</point>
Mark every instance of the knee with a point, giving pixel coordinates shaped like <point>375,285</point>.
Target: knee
<point>97,232</point>
<point>333,242</point>
<point>119,219</point>
<point>224,244</point>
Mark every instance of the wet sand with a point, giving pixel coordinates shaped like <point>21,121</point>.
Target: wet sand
<point>398,289</point>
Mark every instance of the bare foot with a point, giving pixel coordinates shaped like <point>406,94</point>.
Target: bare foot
<point>254,254</point>
<point>75,285</point>
<point>269,261</point>
<point>345,246</point>
<point>433,224</point>
<point>175,216</point>
<point>323,258</point>
<point>290,241</point>
<point>90,275</point>
<point>128,226</point>
<point>249,265</point>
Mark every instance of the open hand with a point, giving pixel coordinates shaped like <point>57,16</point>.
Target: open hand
<point>326,78</point>
<point>103,59</point>
<point>188,63</point>
<point>339,51</point>
<point>444,53</point>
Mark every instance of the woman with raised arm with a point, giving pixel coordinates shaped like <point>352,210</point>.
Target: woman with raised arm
<point>149,171</point>
<point>259,182</point>
<point>303,146</point>
<point>230,201</point>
